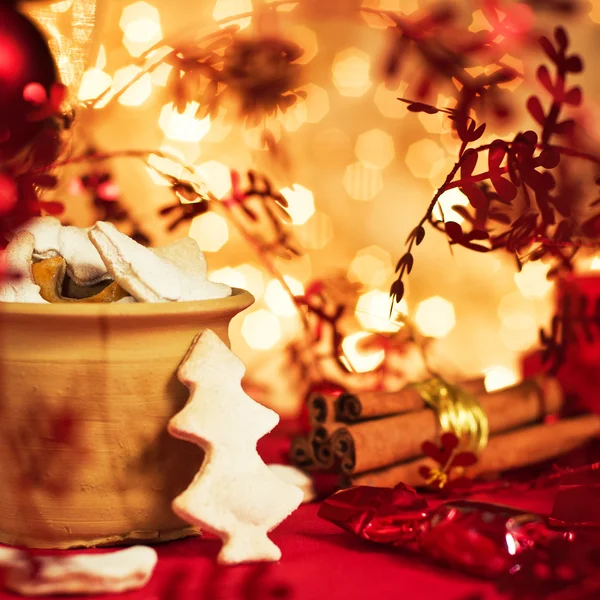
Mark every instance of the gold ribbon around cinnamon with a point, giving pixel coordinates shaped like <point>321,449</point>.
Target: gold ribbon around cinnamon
<point>50,274</point>
<point>457,411</point>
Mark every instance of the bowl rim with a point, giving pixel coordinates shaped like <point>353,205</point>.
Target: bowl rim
<point>239,300</point>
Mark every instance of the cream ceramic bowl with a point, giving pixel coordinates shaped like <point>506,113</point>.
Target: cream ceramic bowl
<point>86,391</point>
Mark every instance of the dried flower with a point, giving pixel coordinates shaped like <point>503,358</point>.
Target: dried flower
<point>262,75</point>
<point>259,73</point>
<point>451,460</point>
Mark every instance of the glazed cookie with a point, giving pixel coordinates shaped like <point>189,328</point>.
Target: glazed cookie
<point>18,256</point>
<point>84,264</point>
<point>234,495</point>
<point>110,573</point>
<point>163,275</point>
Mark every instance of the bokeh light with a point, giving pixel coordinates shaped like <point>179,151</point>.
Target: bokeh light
<point>518,65</point>
<point>435,317</point>
<point>220,128</point>
<point>332,145</point>
<point>519,339</point>
<point>278,299</point>
<point>210,231</point>
<point>440,168</point>
<point>421,157</point>
<point>387,102</point>
<point>254,280</point>
<point>478,21</point>
<point>351,72</point>
<point>300,268</point>
<point>160,75</point>
<point>188,152</point>
<point>95,80</point>
<point>516,312</point>
<point>306,38</point>
<point>231,276</point>
<point>317,103</point>
<point>317,232</point>
<point>373,311</point>
<point>253,136</point>
<point>361,362</point>
<point>362,182</point>
<point>439,122</point>
<point>311,109</point>
<point>293,118</point>
<point>443,209</point>
<point>301,203</point>
<point>371,266</point>
<point>61,6</point>
<point>395,5</point>
<point>261,329</point>
<point>230,8</point>
<point>531,280</point>
<point>140,23</point>
<point>498,377</point>
<point>137,93</point>
<point>101,58</point>
<point>217,177</point>
<point>375,148</point>
<point>184,127</point>
<point>244,276</point>
<point>93,83</point>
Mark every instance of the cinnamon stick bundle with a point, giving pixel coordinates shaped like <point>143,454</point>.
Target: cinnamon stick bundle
<point>520,448</point>
<point>313,453</point>
<point>301,454</point>
<point>378,443</point>
<point>321,408</point>
<point>350,408</point>
<point>319,440</point>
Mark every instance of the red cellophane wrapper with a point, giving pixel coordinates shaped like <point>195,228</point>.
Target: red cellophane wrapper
<point>477,537</point>
<point>385,515</point>
<point>577,502</point>
<point>486,540</point>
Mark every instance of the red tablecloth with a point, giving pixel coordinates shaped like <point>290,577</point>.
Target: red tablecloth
<point>319,562</point>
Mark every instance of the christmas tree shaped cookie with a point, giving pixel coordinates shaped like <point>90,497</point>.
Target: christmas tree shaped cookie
<point>234,495</point>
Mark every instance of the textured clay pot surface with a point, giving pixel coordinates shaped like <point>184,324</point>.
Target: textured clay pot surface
<point>86,392</point>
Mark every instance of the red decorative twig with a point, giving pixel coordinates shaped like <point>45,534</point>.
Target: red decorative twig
<point>517,203</point>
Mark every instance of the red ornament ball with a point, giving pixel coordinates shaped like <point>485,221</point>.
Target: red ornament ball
<point>25,59</point>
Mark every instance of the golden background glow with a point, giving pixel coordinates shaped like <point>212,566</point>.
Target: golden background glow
<point>363,171</point>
